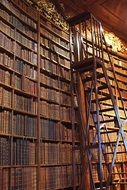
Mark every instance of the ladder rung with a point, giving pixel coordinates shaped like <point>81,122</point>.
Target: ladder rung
<point>111,131</point>
<point>103,93</point>
<point>106,121</point>
<point>104,110</point>
<point>103,83</point>
<point>119,173</point>
<point>104,86</point>
<point>113,153</point>
<point>119,182</point>
<point>103,99</point>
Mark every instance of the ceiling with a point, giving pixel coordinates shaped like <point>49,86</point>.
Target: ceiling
<point>112,13</point>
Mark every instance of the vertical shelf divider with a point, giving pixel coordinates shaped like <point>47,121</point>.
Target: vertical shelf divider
<point>38,104</point>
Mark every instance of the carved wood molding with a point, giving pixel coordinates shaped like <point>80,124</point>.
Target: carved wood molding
<point>49,10</point>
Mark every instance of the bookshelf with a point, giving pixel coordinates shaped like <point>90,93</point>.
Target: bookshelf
<point>35,101</point>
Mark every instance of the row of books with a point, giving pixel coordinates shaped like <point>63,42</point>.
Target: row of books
<point>7,29</point>
<point>65,133</point>
<point>58,177</point>
<point>49,66</point>
<point>65,73</point>
<point>5,122</point>
<point>4,175</point>
<point>54,36</point>
<point>18,36</point>
<point>48,110</point>
<point>52,46</point>
<point>49,54</point>
<point>50,130</point>
<point>53,130</point>
<point>4,151</point>
<point>120,70</point>
<point>62,52</point>
<point>119,63</point>
<point>24,178</point>
<point>24,125</point>
<point>25,69</point>
<point>56,69</point>
<point>53,55</point>
<point>7,43</point>
<point>5,97</point>
<point>26,54</point>
<point>65,113</point>
<point>25,41</point>
<point>26,85</point>
<point>59,31</point>
<point>25,6</point>
<point>53,111</point>
<point>54,83</point>
<point>5,77</point>
<point>64,43</point>
<point>64,62</point>
<point>65,153</point>
<point>17,24</point>
<point>6,60</point>
<point>11,46</point>
<point>18,178</point>
<point>65,99</point>
<point>25,104</point>
<point>65,86</point>
<point>23,152</point>
<point>19,14</point>
<point>51,82</point>
<point>54,153</point>
<point>55,96</point>
<point>50,94</point>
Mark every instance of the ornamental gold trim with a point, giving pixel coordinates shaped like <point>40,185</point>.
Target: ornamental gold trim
<point>49,10</point>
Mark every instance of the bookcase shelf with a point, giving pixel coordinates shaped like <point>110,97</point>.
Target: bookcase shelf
<point>48,27</point>
<point>35,99</point>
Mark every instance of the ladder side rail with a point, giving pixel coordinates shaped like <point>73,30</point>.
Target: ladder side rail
<point>80,97</point>
<point>114,105</point>
<point>75,45</point>
<point>120,133</point>
<point>114,76</point>
<point>98,128</point>
<point>73,116</point>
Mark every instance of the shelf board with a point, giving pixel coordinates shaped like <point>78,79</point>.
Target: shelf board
<point>56,165</point>
<point>24,112</point>
<point>27,47</point>
<point>6,86</point>
<point>21,92</point>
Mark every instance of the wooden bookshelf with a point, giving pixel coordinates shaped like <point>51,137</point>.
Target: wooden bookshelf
<point>35,101</point>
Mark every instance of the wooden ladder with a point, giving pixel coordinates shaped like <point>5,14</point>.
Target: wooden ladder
<point>101,106</point>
